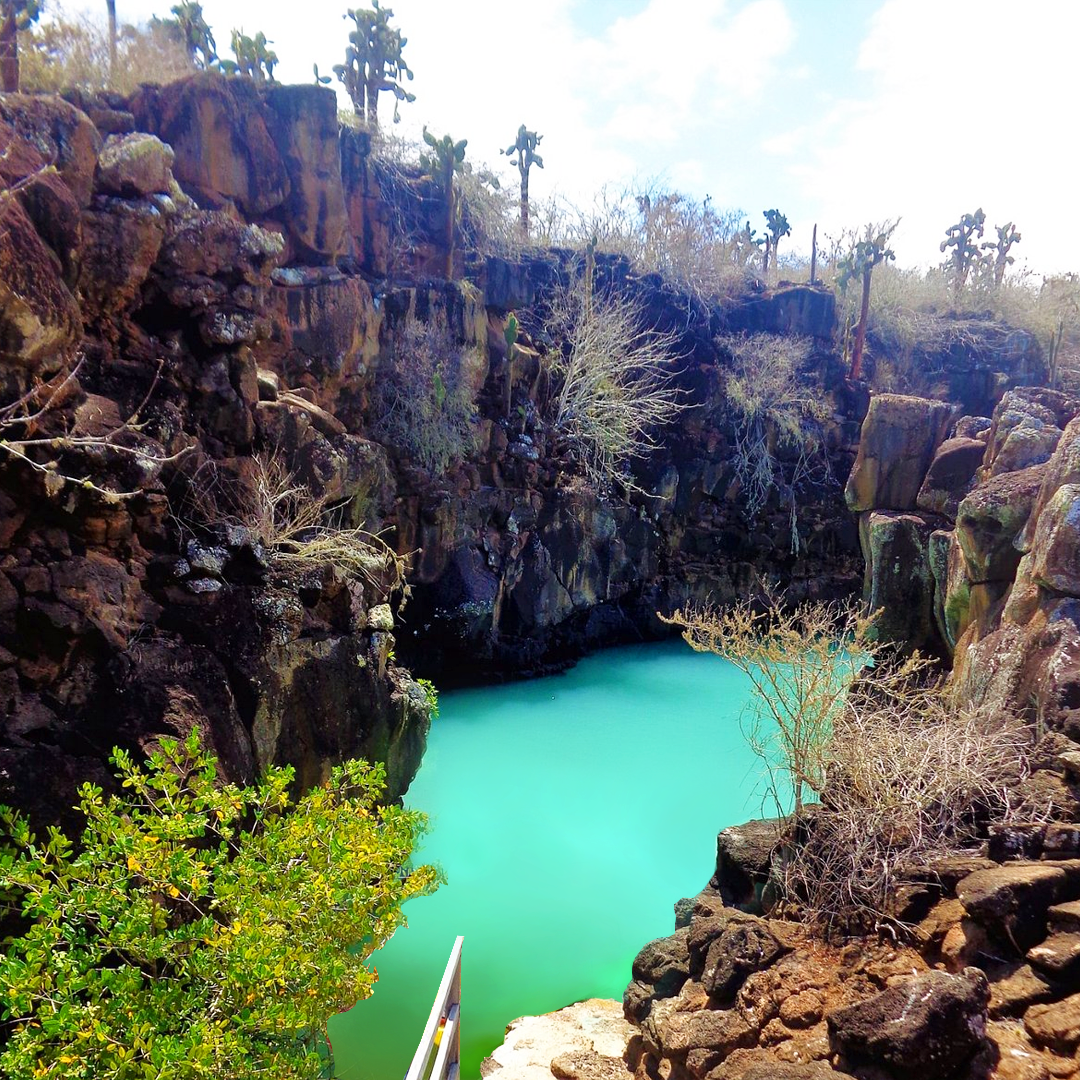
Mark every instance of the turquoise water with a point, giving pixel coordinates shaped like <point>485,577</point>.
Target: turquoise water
<point>569,814</point>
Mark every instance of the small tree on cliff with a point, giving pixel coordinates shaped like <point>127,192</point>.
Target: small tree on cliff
<point>373,62</point>
<point>525,149</point>
<point>859,264</point>
<point>199,928</point>
<point>446,158</point>
<point>959,238</point>
<point>15,15</point>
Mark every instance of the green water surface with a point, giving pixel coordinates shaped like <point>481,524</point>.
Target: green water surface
<point>568,813</point>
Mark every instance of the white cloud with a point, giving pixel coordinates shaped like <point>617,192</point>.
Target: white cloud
<point>968,107</point>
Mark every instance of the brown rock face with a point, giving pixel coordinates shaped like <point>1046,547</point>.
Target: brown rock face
<point>951,475</point>
<point>923,1028</point>
<point>899,438</point>
<point>225,155</point>
<point>990,519</point>
<point>40,321</point>
<point>302,122</point>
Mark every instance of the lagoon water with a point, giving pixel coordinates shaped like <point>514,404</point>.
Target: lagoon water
<point>569,814</point>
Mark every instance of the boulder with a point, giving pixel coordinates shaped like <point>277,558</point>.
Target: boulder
<point>1058,956</point>
<point>1013,991</point>
<point>132,166</point>
<point>122,240</point>
<point>745,945</point>
<point>584,1041</point>
<point>899,438</point>
<point>899,581</point>
<point>662,966</point>
<point>303,123</point>
<point>40,321</point>
<point>1056,1024</point>
<point>1024,432</point>
<point>1011,901</point>
<point>720,1030</point>
<point>951,476</point>
<point>743,860</point>
<point>924,1028</point>
<point>225,155</point>
<point>990,519</point>
<point>1062,468</point>
<point>59,131</point>
<point>1055,544</point>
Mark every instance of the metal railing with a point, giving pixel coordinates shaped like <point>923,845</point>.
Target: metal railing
<point>441,1033</point>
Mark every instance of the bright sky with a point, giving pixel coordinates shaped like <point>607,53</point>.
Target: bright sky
<point>834,111</point>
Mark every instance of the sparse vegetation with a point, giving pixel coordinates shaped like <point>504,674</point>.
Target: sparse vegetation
<point>858,264</point>
<point>961,239</point>
<point>776,227</point>
<point>447,159</point>
<point>253,58</point>
<point>189,28</point>
<point>73,51</point>
<point>778,412</point>
<point>200,928</point>
<point>614,378</point>
<point>898,775</point>
<point>422,403</point>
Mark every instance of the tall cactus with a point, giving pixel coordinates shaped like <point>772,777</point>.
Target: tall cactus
<point>860,263</point>
<point>964,252</point>
<point>525,148</point>
<point>253,58</point>
<point>189,27</point>
<point>777,226</point>
<point>997,251</point>
<point>373,62</point>
<point>446,158</point>
<point>15,15</point>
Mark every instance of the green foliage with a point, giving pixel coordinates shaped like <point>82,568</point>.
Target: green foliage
<point>858,264</point>
<point>422,404</point>
<point>446,158</point>
<point>189,27</point>
<point>373,62</point>
<point>776,225</point>
<point>200,929</point>
<point>959,238</point>
<point>432,696</point>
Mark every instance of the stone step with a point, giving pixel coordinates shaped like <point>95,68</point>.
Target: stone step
<point>1058,956</point>
<point>1064,918</point>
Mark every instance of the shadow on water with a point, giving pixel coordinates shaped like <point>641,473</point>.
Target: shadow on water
<point>569,814</point>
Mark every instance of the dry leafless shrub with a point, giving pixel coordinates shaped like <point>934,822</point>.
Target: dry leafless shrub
<point>298,530</point>
<point>69,461</point>
<point>68,51</point>
<point>422,404</point>
<point>908,782</point>
<point>778,413</point>
<point>899,774</point>
<point>661,231</point>
<point>615,382</point>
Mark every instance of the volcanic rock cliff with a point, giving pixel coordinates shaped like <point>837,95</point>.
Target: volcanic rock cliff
<point>206,285</point>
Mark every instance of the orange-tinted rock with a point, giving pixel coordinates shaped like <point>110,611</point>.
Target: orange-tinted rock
<point>40,322</point>
<point>224,153</point>
<point>303,123</point>
<point>899,438</point>
<point>62,133</point>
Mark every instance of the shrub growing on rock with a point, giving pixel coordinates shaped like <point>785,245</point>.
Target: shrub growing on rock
<point>614,377</point>
<point>422,404</point>
<point>778,414</point>
<point>198,928</point>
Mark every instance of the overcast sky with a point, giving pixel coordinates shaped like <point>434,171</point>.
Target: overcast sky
<point>834,111</point>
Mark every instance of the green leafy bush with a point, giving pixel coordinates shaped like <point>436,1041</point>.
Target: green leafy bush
<point>200,929</point>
